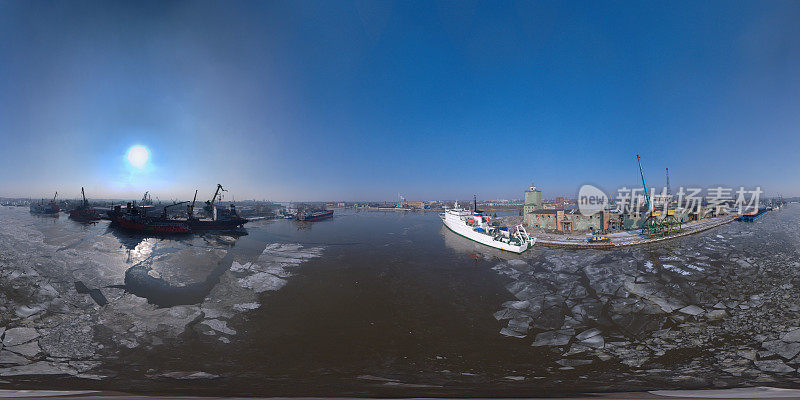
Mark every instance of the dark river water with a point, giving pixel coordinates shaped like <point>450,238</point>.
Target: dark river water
<point>392,304</point>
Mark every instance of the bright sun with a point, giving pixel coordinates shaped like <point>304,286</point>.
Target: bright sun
<point>138,156</point>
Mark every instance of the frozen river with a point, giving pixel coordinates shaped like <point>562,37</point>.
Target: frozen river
<point>392,304</point>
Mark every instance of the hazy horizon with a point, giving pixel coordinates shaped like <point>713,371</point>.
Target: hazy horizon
<point>362,101</point>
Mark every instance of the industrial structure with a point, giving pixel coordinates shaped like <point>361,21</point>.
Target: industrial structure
<point>653,213</point>
<point>565,220</point>
<point>658,223</point>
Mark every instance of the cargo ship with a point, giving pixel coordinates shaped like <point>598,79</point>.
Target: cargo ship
<point>313,215</point>
<point>84,213</point>
<point>219,219</point>
<point>49,208</point>
<point>475,226</point>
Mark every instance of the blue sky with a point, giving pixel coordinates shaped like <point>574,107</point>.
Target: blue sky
<point>364,100</point>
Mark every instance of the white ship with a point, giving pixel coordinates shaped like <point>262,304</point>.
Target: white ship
<point>473,225</point>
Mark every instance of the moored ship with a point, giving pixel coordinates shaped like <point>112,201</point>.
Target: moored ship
<point>313,215</point>
<point>219,219</point>
<point>84,212</point>
<point>475,226</point>
<point>49,208</point>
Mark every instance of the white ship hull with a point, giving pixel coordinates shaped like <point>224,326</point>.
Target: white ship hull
<point>456,221</point>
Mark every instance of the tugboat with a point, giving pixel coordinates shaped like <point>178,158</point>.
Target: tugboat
<point>313,215</point>
<point>84,213</point>
<point>49,208</point>
<point>475,226</point>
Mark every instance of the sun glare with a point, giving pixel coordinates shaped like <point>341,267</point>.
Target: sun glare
<point>138,156</point>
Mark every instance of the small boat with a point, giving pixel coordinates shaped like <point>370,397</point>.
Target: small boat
<point>475,226</point>
<point>313,215</point>
<point>49,208</point>
<point>84,212</point>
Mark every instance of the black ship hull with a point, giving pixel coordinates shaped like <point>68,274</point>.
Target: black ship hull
<point>219,225</point>
<point>194,224</point>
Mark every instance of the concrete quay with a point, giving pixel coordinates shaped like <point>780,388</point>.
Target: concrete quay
<point>627,238</point>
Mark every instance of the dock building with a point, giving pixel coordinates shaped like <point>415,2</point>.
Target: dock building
<point>567,220</point>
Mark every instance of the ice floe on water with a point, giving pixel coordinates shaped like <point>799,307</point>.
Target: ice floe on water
<point>695,267</point>
<point>70,300</point>
<point>245,306</point>
<point>239,287</point>
<point>262,282</point>
<point>636,306</point>
<point>218,325</point>
<point>677,270</point>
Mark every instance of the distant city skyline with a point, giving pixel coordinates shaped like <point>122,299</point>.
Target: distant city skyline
<point>361,101</point>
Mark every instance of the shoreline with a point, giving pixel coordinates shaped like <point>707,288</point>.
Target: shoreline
<point>631,238</point>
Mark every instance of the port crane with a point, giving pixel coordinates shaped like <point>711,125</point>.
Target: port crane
<point>164,213</point>
<point>83,194</point>
<point>52,201</point>
<point>669,190</point>
<point>644,186</point>
<point>210,203</point>
<point>147,200</point>
<point>190,209</point>
<point>655,224</point>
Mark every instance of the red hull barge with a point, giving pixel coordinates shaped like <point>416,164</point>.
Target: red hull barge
<point>84,213</point>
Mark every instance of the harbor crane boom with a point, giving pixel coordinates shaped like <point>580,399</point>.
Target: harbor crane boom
<point>213,199</point>
<point>669,190</point>
<point>644,185</point>
<point>164,214</point>
<point>190,209</point>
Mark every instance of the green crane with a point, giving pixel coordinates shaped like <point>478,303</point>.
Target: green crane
<point>668,223</point>
<point>644,185</point>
